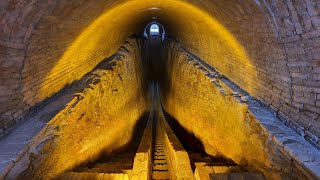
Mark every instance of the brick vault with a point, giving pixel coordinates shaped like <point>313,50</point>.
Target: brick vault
<point>236,82</point>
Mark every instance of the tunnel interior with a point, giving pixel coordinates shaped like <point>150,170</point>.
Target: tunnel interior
<point>159,89</point>
<point>153,65</point>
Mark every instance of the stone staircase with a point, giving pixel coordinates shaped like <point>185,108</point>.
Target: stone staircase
<point>120,163</point>
<point>206,167</point>
<point>117,167</point>
<point>160,155</point>
<point>236,176</point>
<point>197,159</point>
<point>160,166</point>
<point>90,175</point>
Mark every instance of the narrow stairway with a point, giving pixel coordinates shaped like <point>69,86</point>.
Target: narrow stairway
<point>147,158</point>
<point>116,167</point>
<point>120,163</point>
<point>160,166</point>
<point>205,166</point>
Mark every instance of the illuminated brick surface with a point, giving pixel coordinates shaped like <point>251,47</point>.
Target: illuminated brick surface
<point>270,49</point>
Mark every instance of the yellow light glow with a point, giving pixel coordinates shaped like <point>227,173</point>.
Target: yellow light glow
<point>203,35</point>
<point>97,123</point>
<point>219,121</point>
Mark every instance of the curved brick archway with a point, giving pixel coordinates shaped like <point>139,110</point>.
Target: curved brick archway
<point>268,48</point>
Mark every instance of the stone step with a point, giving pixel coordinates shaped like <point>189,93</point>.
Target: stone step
<point>125,155</point>
<point>158,153</point>
<point>116,165</point>
<point>162,161</point>
<point>224,169</point>
<point>123,159</point>
<point>236,176</point>
<point>160,175</point>
<point>224,173</point>
<point>160,167</point>
<point>89,175</point>
<point>198,157</point>
<point>219,169</point>
<point>106,168</point>
<point>100,170</point>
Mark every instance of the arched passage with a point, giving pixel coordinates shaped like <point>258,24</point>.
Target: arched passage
<point>154,30</point>
<point>96,28</point>
<point>160,28</point>
<point>208,29</point>
<point>48,45</point>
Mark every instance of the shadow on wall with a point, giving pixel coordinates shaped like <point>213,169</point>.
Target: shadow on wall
<point>194,145</point>
<point>130,147</point>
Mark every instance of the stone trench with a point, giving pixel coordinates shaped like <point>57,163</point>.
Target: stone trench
<point>107,89</point>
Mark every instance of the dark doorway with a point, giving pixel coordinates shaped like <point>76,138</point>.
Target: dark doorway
<point>154,35</point>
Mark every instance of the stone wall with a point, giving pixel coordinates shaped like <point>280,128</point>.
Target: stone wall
<point>47,45</point>
<point>97,121</point>
<point>269,48</point>
<point>297,26</point>
<point>17,21</point>
<point>206,107</point>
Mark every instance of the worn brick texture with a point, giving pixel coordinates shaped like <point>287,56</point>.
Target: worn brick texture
<point>280,63</point>
<point>268,48</point>
<point>296,97</point>
<point>35,35</point>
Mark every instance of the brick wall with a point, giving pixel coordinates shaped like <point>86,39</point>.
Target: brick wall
<point>60,51</point>
<point>46,45</point>
<point>268,48</point>
<point>17,21</point>
<point>297,25</point>
<point>100,120</point>
<point>229,124</point>
<point>271,50</point>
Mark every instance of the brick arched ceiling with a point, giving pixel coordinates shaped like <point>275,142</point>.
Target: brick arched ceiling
<point>268,48</point>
